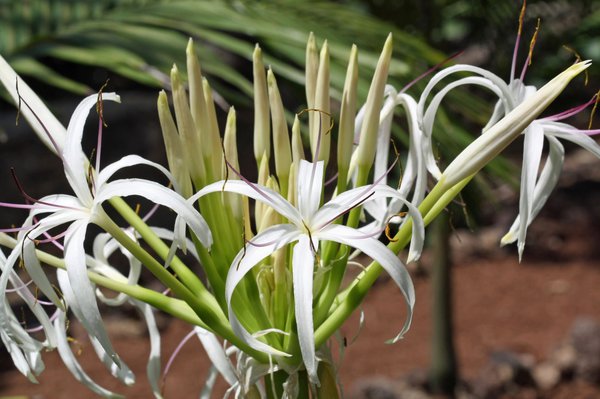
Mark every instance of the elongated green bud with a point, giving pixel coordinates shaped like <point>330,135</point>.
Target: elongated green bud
<point>347,119</point>
<point>212,150</point>
<point>320,135</point>
<point>191,142</point>
<point>368,133</point>
<point>262,136</point>
<point>230,145</point>
<point>495,139</point>
<point>297,146</point>
<point>311,71</point>
<point>173,147</point>
<point>281,137</point>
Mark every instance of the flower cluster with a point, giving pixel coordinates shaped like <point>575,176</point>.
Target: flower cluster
<point>274,252</point>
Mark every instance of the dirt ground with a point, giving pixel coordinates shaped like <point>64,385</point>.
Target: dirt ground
<point>500,305</point>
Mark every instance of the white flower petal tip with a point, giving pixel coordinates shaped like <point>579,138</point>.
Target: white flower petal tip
<point>508,238</point>
<point>413,256</point>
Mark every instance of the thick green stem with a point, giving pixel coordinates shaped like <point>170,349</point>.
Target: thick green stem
<point>443,372</point>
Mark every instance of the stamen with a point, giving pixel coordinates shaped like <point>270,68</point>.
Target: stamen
<point>572,111</point>
<point>137,208</point>
<point>531,46</point>
<point>173,356</point>
<point>101,123</point>
<point>513,66</point>
<point>578,59</point>
<point>331,124</point>
<point>22,100</point>
<point>41,327</point>
<point>594,110</point>
<point>387,225</point>
<point>28,197</point>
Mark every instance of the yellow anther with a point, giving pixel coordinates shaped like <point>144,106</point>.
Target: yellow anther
<point>533,41</point>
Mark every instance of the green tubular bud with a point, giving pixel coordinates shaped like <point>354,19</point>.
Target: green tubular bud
<point>311,71</point>
<point>263,177</point>
<point>368,133</point>
<point>173,147</point>
<point>281,138</point>
<point>190,139</point>
<point>297,146</point>
<point>320,130</point>
<point>230,145</point>
<point>262,136</point>
<point>347,117</point>
<point>212,149</point>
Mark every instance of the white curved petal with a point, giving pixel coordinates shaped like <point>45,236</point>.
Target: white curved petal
<point>384,256</point>
<point>216,354</point>
<point>303,264</point>
<point>84,303</point>
<point>532,155</point>
<point>569,133</point>
<point>128,161</point>
<point>309,188</point>
<point>546,183</point>
<point>76,163</point>
<point>43,122</point>
<point>256,192</point>
<point>429,117</point>
<point>160,195</point>
<point>265,243</point>
<point>73,365</point>
<point>153,368</point>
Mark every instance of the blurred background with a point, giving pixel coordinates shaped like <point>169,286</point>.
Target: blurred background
<point>512,330</point>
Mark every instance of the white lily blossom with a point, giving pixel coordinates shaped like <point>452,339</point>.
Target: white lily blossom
<point>515,112</point>
<point>308,224</point>
<point>91,188</point>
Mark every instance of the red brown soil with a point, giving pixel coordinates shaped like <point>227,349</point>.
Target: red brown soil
<point>499,304</point>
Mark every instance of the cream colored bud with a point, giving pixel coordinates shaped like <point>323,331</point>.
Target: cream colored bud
<point>347,116</point>
<point>173,147</point>
<point>212,149</point>
<point>368,133</point>
<point>281,138</point>
<point>190,139</point>
<point>297,145</point>
<point>320,132</point>
<point>262,133</point>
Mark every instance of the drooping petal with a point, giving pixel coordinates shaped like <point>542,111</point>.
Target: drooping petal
<point>75,161</point>
<point>73,365</point>
<point>303,263</point>
<point>258,193</point>
<point>159,195</point>
<point>153,367</point>
<point>533,145</point>
<point>545,184</point>
<point>384,256</point>
<point>216,354</point>
<point>263,245</point>
<point>132,160</point>
<point>84,302</point>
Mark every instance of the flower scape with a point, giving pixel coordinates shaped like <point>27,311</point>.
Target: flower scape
<point>274,252</point>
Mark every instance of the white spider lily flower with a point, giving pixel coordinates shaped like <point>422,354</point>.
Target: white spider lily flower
<point>414,176</point>
<point>92,188</point>
<point>308,224</point>
<point>515,113</point>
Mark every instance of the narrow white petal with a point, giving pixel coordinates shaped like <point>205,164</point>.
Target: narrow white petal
<point>76,163</point>
<point>73,365</point>
<point>160,195</point>
<point>43,121</point>
<point>216,354</point>
<point>384,256</point>
<point>153,368</point>
<point>82,295</point>
<point>532,154</point>
<point>265,243</point>
<point>128,161</point>
<point>258,193</point>
<point>309,188</point>
<point>303,263</point>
